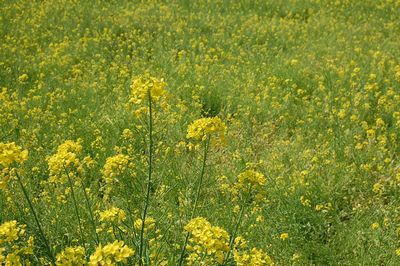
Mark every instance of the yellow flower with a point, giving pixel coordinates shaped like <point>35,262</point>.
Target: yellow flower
<point>378,188</point>
<point>111,254</point>
<point>71,256</point>
<point>115,165</point>
<point>111,218</point>
<point>284,236</point>
<point>10,152</point>
<point>374,226</point>
<point>113,214</point>
<point>143,85</point>
<point>10,231</point>
<point>149,223</point>
<point>12,235</point>
<point>66,157</point>
<point>254,257</point>
<point>23,78</point>
<point>207,240</point>
<point>201,128</point>
<point>250,181</point>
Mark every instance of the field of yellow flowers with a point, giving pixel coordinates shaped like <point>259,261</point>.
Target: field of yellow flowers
<point>199,132</point>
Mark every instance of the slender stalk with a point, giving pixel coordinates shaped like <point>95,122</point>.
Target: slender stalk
<point>76,208</point>
<point>90,213</point>
<point>234,234</point>
<point>150,171</point>
<point>46,242</point>
<point>203,167</point>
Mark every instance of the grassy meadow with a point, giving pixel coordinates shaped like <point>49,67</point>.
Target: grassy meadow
<point>199,132</point>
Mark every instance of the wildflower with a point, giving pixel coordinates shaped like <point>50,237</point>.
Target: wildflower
<point>207,240</point>
<point>378,188</point>
<point>113,167</point>
<point>201,128</point>
<point>111,254</point>
<point>284,236</point>
<point>111,218</point>
<point>10,152</point>
<point>250,179</point>
<point>66,157</point>
<point>251,183</point>
<point>112,215</point>
<point>305,202</point>
<point>16,247</point>
<point>255,257</point>
<point>10,232</point>
<point>23,78</point>
<point>71,256</point>
<point>149,223</point>
<point>143,85</point>
<point>374,226</point>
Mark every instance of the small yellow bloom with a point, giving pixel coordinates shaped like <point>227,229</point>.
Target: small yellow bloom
<point>374,226</point>
<point>23,78</point>
<point>201,128</point>
<point>284,236</point>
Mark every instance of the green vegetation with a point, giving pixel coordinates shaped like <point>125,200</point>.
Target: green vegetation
<point>272,137</point>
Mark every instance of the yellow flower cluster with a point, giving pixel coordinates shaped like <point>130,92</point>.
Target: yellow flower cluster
<point>201,128</point>
<point>114,166</point>
<point>65,161</point>
<point>149,224</point>
<point>10,231</point>
<point>10,152</point>
<point>113,214</point>
<point>111,254</point>
<point>71,256</point>
<point>206,241</point>
<point>143,85</point>
<point>251,182</point>
<point>13,248</point>
<point>254,257</point>
<point>110,218</point>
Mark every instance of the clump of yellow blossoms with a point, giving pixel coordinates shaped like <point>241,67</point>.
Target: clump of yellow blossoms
<point>65,161</point>
<point>71,256</point>
<point>207,243</point>
<point>10,152</point>
<point>201,128</point>
<point>110,218</point>
<point>111,254</point>
<point>112,215</point>
<point>245,257</point>
<point>114,166</point>
<point>12,245</point>
<point>255,257</point>
<point>143,85</point>
<point>250,182</point>
<point>149,224</point>
<point>10,231</point>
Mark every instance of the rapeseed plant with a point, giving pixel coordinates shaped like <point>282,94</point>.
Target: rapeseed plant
<point>309,90</point>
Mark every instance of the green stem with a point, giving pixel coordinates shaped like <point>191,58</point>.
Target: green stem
<point>203,167</point>
<point>234,234</point>
<point>76,208</point>
<point>150,170</point>
<point>90,213</point>
<point>25,192</point>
